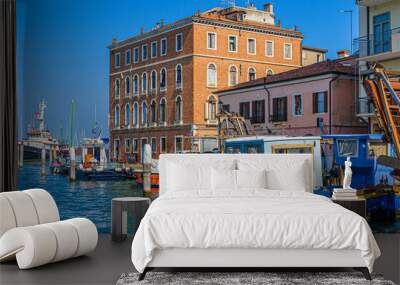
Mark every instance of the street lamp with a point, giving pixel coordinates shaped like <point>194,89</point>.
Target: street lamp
<point>351,27</point>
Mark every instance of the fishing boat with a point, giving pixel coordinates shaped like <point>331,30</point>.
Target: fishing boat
<point>94,164</point>
<point>38,137</point>
<point>363,150</point>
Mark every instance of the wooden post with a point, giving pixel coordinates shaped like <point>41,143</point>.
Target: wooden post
<point>146,179</point>
<point>72,172</point>
<point>55,154</point>
<point>146,160</point>
<point>51,154</point>
<point>21,155</point>
<point>43,161</point>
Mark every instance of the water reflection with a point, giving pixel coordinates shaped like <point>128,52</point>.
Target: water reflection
<point>90,199</point>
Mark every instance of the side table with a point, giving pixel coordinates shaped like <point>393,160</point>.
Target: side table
<point>120,208</point>
<point>357,205</point>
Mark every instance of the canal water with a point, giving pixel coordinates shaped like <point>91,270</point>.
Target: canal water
<point>90,199</point>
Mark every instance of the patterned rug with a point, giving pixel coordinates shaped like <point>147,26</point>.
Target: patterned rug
<point>243,278</point>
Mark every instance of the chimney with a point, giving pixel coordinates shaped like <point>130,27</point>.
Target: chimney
<point>343,53</point>
<point>114,41</point>
<point>269,7</point>
<point>142,30</point>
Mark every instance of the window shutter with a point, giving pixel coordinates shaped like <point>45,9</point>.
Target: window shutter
<point>315,102</point>
<point>274,107</point>
<point>325,101</point>
<point>206,115</point>
<point>263,111</point>
<point>284,108</point>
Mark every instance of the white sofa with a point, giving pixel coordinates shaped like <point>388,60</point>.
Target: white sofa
<point>31,231</point>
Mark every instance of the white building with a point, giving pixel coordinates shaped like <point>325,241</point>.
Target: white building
<point>379,41</point>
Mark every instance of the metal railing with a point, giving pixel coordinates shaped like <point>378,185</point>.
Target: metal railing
<point>377,43</point>
<point>257,119</point>
<point>278,118</point>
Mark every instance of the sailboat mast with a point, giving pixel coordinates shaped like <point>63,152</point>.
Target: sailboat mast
<point>72,134</point>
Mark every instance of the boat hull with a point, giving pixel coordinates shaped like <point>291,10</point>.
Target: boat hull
<point>105,175</point>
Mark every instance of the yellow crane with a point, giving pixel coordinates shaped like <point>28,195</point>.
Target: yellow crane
<point>383,89</point>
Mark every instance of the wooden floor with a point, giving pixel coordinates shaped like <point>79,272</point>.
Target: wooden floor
<point>110,259</point>
<point>103,266</point>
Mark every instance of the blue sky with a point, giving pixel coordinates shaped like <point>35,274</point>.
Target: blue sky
<point>62,50</point>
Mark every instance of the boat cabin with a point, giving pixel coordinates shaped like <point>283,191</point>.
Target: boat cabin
<point>363,149</point>
<point>280,144</point>
<point>94,152</point>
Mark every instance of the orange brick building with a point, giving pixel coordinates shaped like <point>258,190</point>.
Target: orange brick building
<point>162,81</point>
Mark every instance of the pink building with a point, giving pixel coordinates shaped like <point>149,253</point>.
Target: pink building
<point>312,100</point>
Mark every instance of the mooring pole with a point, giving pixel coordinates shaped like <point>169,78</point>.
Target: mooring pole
<point>21,155</point>
<point>146,160</point>
<point>51,154</point>
<point>72,172</point>
<point>43,161</point>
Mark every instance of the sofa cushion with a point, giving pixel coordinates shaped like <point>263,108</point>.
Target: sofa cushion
<point>23,208</point>
<point>7,217</point>
<point>46,207</point>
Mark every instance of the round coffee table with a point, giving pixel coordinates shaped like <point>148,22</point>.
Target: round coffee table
<point>120,208</point>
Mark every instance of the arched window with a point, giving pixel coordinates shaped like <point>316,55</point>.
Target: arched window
<point>232,75</point>
<point>144,83</point>
<point>153,80</point>
<point>178,110</point>
<point>116,117</point>
<point>135,114</point>
<point>252,73</point>
<point>153,112</point>
<point>211,75</point>
<point>270,72</point>
<point>136,84</point>
<point>163,111</point>
<point>127,115</point>
<point>144,114</point>
<point>163,79</point>
<point>116,88</point>
<point>212,108</point>
<point>178,76</point>
<point>127,86</point>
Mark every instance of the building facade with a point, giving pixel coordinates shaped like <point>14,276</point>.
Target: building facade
<point>311,55</point>
<point>162,82</point>
<point>379,41</point>
<point>313,100</point>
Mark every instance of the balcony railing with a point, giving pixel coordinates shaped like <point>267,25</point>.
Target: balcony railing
<point>377,43</point>
<point>278,118</point>
<point>257,119</point>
